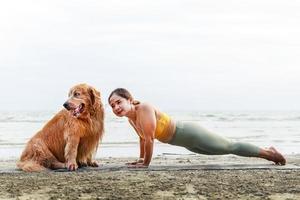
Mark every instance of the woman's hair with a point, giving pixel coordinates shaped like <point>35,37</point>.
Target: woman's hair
<point>122,92</point>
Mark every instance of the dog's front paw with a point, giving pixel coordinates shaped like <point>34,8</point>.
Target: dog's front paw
<point>93,164</point>
<point>72,166</point>
<point>82,164</point>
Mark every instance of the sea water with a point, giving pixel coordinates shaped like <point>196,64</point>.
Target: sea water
<point>280,129</point>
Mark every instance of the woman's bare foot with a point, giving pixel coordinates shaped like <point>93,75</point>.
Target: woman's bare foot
<point>273,155</point>
<point>279,159</point>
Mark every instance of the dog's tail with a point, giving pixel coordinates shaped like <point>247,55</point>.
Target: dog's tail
<point>30,166</point>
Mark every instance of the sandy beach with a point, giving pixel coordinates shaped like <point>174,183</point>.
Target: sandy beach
<point>168,177</point>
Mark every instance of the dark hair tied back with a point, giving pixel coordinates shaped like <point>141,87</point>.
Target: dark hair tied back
<point>122,92</point>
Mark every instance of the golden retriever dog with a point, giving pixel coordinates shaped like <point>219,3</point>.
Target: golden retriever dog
<point>71,137</point>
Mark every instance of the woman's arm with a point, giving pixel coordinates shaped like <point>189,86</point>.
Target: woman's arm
<point>142,153</point>
<point>142,146</point>
<point>147,122</point>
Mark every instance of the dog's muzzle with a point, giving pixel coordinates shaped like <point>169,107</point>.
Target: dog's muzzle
<point>67,106</point>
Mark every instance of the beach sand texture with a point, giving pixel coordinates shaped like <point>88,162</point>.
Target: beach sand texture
<point>168,177</point>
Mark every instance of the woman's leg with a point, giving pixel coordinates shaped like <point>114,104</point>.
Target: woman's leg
<point>199,140</point>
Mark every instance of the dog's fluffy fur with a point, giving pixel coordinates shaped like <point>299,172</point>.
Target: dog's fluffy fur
<point>71,137</point>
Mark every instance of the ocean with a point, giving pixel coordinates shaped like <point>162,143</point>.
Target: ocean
<point>280,129</point>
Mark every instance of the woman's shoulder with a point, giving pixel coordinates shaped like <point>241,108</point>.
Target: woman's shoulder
<point>145,107</point>
<point>148,108</point>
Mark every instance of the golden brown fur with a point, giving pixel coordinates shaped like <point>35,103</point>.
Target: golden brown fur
<point>71,137</point>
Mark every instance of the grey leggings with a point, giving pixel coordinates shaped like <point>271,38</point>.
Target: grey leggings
<point>199,140</point>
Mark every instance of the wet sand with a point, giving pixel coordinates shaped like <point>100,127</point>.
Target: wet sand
<point>168,177</point>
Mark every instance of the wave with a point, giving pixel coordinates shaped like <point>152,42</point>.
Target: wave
<point>103,143</point>
<point>223,119</point>
<point>230,118</point>
<point>42,117</point>
<point>22,121</point>
<point>12,143</point>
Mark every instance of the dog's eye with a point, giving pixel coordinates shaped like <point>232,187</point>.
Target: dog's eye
<point>76,94</point>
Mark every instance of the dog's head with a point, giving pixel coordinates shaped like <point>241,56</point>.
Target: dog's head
<point>83,101</point>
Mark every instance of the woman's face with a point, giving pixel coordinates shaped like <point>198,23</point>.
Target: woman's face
<point>119,105</point>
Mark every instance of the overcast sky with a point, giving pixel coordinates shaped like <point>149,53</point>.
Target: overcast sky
<point>178,55</point>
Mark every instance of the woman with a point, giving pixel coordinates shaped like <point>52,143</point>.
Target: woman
<point>149,123</point>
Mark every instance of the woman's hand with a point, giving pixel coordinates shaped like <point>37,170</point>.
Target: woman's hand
<point>138,165</point>
<point>135,162</point>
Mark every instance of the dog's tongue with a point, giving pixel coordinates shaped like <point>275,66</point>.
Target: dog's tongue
<point>77,110</point>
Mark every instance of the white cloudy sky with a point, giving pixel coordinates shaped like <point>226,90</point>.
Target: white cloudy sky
<point>179,55</point>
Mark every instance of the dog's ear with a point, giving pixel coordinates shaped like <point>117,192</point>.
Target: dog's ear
<point>70,92</point>
<point>94,95</point>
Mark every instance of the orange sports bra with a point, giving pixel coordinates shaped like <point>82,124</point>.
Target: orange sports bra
<point>165,128</point>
